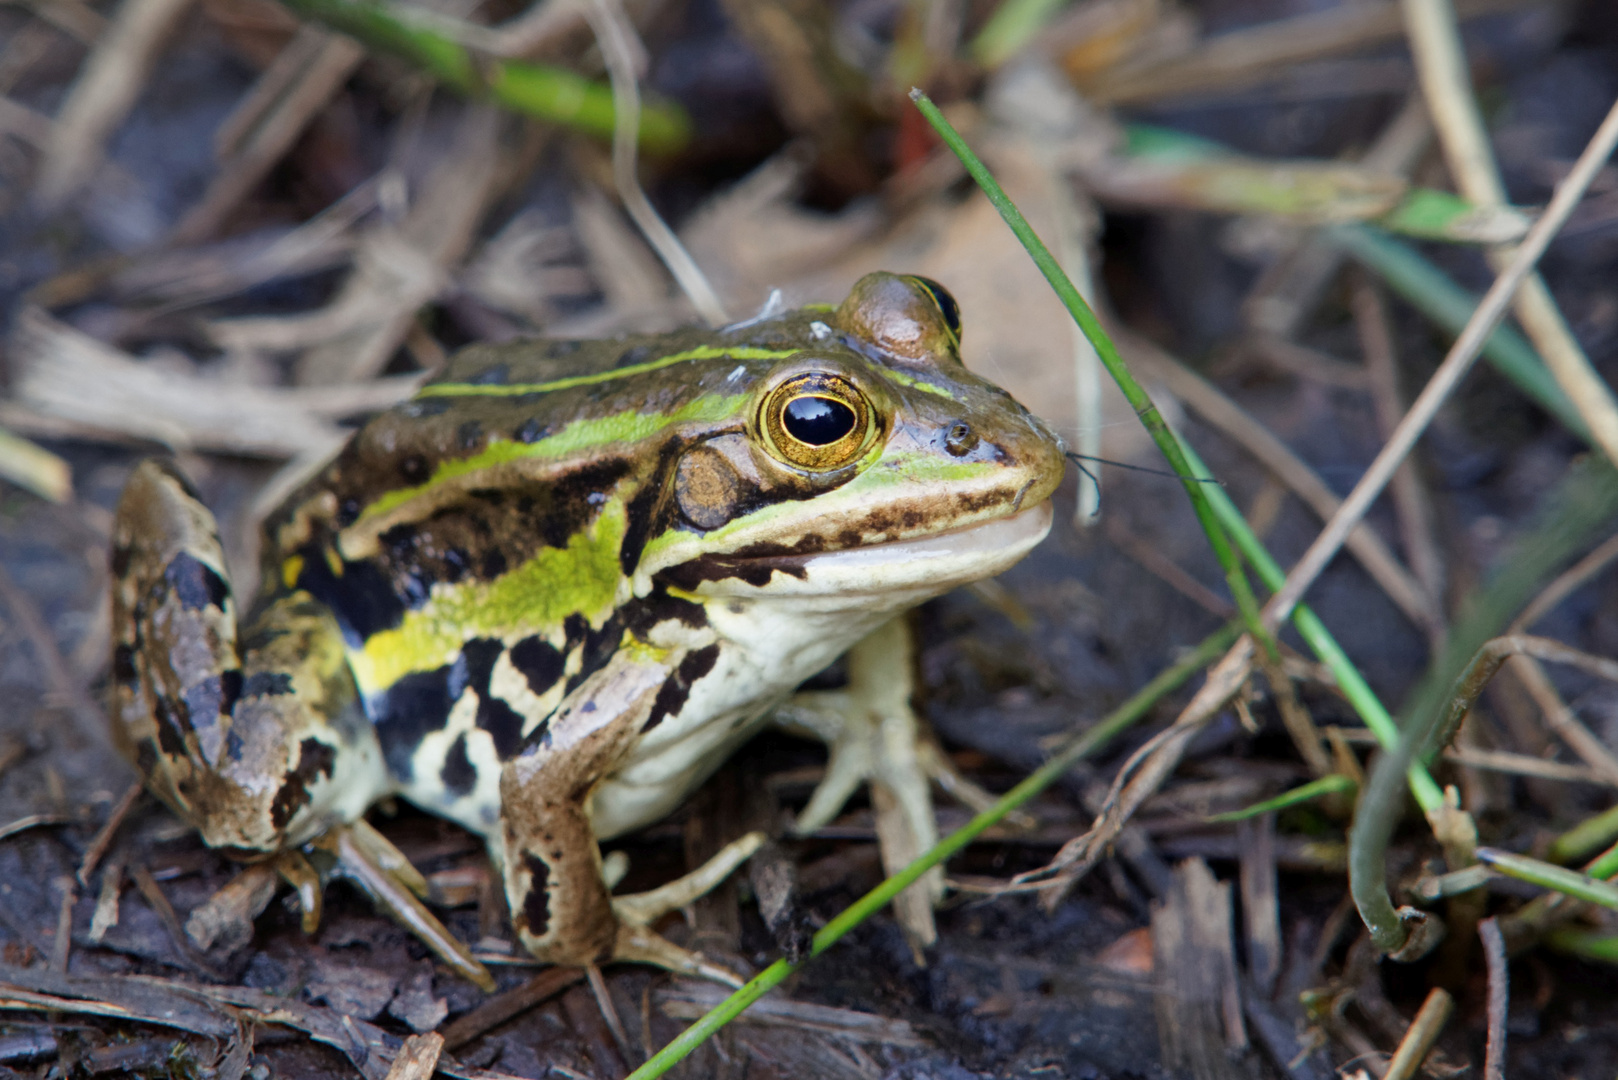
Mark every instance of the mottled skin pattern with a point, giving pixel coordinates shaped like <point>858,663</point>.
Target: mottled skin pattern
<point>547,596</point>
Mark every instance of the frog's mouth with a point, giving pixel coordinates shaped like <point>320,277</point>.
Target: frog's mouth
<point>924,565</point>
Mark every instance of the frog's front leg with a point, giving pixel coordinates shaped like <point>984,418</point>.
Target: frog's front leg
<point>560,903</point>
<point>873,735</point>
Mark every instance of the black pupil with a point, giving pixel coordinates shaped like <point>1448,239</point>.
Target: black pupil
<point>817,421</point>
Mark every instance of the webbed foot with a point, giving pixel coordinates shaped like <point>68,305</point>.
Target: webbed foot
<point>637,912</point>
<point>874,736</point>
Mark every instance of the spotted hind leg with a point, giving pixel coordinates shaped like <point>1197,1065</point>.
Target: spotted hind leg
<point>261,743</point>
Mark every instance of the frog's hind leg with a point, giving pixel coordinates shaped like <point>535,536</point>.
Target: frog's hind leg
<point>260,743</point>
<point>873,735</point>
<point>560,904</point>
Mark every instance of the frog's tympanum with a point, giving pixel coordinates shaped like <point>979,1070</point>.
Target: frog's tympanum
<point>547,596</point>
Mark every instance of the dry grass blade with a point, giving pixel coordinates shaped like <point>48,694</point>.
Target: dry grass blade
<point>1424,1031</point>
<point>35,468</point>
<point>619,47</point>
<point>1494,949</point>
<point>300,82</point>
<point>397,269</point>
<point>1219,410</point>
<point>1247,58</point>
<point>64,373</point>
<point>1456,364</point>
<point>1445,79</point>
<point>106,89</point>
<point>687,1000</point>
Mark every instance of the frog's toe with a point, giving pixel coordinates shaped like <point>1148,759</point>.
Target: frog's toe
<point>643,909</point>
<point>382,872</point>
<point>638,945</point>
<point>638,911</point>
<point>872,734</point>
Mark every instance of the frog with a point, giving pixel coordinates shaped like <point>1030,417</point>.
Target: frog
<point>549,594</point>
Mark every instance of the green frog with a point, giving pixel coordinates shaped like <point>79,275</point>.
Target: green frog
<point>548,595</point>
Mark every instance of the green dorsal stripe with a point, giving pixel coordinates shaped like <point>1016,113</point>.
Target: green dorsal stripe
<point>701,352</point>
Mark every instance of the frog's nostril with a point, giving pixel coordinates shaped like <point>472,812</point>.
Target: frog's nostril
<point>960,440</point>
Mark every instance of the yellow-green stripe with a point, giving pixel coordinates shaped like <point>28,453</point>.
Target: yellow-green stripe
<point>701,352</point>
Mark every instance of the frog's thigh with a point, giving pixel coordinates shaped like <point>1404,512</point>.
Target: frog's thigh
<point>874,735</point>
<point>559,903</point>
<point>259,748</point>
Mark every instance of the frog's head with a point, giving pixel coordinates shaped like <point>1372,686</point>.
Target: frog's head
<point>868,461</point>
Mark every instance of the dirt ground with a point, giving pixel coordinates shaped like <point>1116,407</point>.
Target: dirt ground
<point>229,231</point>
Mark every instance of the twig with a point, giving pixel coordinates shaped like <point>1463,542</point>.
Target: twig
<point>1569,580</point>
<point>1409,496</point>
<point>1424,1031</point>
<point>1494,949</point>
<point>1449,373</point>
<point>1435,42</point>
<point>103,838</point>
<point>503,1006</point>
<point>614,35</point>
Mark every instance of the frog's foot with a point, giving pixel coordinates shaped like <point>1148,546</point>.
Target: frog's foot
<point>382,872</point>
<point>637,913</point>
<point>874,736</point>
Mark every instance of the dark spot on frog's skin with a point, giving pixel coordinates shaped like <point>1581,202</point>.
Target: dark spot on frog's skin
<point>458,774</point>
<point>470,435</point>
<point>494,564</point>
<point>196,584</point>
<point>207,699</point>
<point>531,431</point>
<point>598,647</point>
<point>536,906</point>
<point>314,759</point>
<point>348,512</point>
<point>455,565</point>
<point>648,509</point>
<point>657,607</point>
<point>362,599</point>
<point>425,407</point>
<point>413,469</point>
<point>500,720</point>
<point>540,662</point>
<point>123,666</point>
<point>676,689</point>
<point>267,684</point>
<point>121,554</point>
<point>145,757</point>
<point>415,705</point>
<point>635,354</point>
<point>170,728</point>
<point>497,375</point>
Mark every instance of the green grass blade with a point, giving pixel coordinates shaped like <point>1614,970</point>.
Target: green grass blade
<point>1137,397</point>
<point>1314,789</point>
<point>1556,878</point>
<point>544,91</point>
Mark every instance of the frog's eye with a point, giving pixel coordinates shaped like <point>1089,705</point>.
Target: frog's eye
<point>817,421</point>
<point>947,307</point>
<point>904,317</point>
